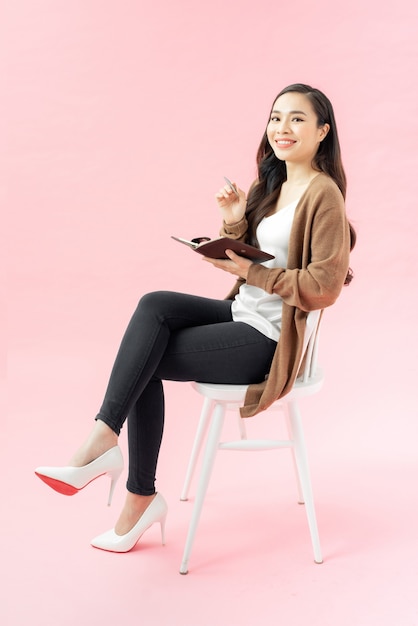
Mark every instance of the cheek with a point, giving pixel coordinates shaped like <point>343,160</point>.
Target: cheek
<point>270,135</point>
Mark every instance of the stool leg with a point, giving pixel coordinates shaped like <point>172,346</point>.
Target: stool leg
<point>292,449</point>
<point>305,480</point>
<point>212,444</point>
<point>197,444</point>
<point>242,426</point>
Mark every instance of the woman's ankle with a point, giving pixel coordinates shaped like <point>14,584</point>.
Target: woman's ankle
<point>135,506</point>
<point>100,440</point>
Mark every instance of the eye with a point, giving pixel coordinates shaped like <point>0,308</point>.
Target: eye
<point>297,119</point>
<point>274,118</point>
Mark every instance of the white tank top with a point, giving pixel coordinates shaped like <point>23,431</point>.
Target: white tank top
<point>253,305</point>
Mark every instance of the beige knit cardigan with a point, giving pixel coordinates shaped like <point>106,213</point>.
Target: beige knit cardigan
<point>317,266</point>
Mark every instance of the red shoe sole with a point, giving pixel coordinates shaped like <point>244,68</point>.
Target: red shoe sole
<point>58,485</point>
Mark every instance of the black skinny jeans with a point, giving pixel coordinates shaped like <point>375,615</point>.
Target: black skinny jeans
<point>174,336</point>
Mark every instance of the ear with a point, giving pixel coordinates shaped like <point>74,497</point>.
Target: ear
<point>323,131</point>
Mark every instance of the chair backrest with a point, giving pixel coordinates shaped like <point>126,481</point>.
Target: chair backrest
<point>310,344</point>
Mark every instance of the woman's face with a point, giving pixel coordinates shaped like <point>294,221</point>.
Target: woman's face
<point>293,130</point>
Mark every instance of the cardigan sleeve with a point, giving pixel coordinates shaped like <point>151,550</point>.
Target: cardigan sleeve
<point>235,231</point>
<point>319,250</point>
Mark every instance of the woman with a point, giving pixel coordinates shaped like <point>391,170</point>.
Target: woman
<point>295,210</point>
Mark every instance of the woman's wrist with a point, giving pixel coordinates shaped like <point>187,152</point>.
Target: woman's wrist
<point>235,223</point>
<point>232,223</point>
<point>235,230</point>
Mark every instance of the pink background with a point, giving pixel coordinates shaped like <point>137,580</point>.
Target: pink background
<point>120,120</point>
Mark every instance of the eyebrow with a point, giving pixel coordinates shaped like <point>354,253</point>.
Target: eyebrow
<point>290,112</point>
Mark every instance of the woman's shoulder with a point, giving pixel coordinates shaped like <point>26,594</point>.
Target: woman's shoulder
<point>323,186</point>
<point>324,181</point>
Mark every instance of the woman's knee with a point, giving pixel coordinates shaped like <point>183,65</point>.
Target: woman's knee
<point>154,302</point>
<point>148,299</point>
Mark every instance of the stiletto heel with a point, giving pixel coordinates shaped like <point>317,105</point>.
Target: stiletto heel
<point>162,526</point>
<point>114,477</point>
<point>156,512</point>
<point>70,480</point>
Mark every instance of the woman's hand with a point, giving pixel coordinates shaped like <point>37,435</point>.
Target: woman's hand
<point>232,206</point>
<point>237,265</point>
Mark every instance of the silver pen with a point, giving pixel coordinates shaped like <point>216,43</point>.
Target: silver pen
<point>232,186</point>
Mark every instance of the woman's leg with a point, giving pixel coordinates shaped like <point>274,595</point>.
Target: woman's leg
<point>156,317</point>
<point>226,352</point>
<point>177,337</point>
<point>131,391</point>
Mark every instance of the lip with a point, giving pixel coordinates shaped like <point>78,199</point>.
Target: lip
<point>284,143</point>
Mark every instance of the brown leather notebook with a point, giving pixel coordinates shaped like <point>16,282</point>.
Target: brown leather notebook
<point>215,248</point>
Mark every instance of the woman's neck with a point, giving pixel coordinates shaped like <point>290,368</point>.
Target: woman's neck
<point>297,181</point>
<point>299,176</point>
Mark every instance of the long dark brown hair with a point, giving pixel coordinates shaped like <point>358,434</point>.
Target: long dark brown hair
<point>272,173</point>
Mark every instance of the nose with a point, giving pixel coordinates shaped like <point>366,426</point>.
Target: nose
<point>282,126</point>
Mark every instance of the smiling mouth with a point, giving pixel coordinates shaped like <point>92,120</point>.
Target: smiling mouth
<point>284,143</point>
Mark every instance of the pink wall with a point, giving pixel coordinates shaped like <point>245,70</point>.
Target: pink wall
<point>121,119</point>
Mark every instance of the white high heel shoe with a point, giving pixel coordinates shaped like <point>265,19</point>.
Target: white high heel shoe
<point>155,512</point>
<point>69,480</point>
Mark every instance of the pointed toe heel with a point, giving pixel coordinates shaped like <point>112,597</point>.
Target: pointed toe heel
<point>155,513</point>
<point>70,480</point>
